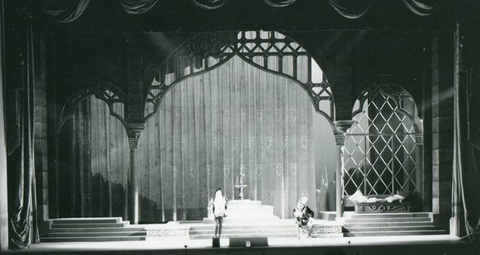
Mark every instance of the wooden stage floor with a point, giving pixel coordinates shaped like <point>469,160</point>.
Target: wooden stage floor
<point>424,245</point>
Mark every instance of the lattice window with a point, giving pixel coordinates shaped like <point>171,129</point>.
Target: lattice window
<point>266,50</point>
<point>381,153</point>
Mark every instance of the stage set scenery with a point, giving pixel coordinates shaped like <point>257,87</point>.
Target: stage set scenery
<point>238,135</point>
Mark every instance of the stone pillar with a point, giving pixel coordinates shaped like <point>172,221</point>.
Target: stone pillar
<point>133,131</point>
<point>442,127</point>
<point>456,204</point>
<point>341,126</point>
<point>3,149</point>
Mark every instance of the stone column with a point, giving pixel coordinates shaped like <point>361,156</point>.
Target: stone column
<point>133,131</point>
<point>442,126</point>
<point>457,138</point>
<point>341,126</point>
<point>3,151</point>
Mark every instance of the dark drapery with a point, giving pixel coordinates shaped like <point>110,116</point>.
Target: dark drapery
<point>209,4</point>
<point>65,11</point>
<point>68,11</point>
<point>421,7</point>
<point>137,6</point>
<point>22,202</point>
<point>93,163</point>
<point>279,3</point>
<point>351,9</point>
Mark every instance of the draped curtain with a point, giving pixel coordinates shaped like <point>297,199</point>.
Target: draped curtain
<point>234,119</point>
<point>22,204</point>
<point>68,11</point>
<point>209,129</point>
<point>93,162</point>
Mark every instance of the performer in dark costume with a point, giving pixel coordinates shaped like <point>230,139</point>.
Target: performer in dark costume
<point>303,216</point>
<point>219,210</point>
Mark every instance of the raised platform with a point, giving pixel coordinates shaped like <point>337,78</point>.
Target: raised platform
<point>246,211</point>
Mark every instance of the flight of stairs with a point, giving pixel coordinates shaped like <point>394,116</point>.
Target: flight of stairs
<point>390,224</point>
<point>246,218</point>
<point>282,229</point>
<point>93,230</point>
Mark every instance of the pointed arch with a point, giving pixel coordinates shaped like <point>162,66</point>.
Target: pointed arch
<point>206,51</point>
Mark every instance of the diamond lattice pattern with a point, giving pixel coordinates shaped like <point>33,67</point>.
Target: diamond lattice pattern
<point>380,152</point>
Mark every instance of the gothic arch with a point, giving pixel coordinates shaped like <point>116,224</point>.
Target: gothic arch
<point>206,51</point>
<point>383,149</point>
<point>103,90</point>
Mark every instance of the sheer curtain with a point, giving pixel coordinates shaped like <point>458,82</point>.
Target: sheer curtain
<point>208,130</point>
<point>234,119</point>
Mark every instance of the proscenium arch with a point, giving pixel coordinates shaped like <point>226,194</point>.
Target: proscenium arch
<point>220,47</point>
<point>103,90</point>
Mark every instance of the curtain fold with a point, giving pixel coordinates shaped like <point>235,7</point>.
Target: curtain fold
<point>22,204</point>
<point>209,4</point>
<point>65,11</point>
<point>421,7</point>
<point>279,3</point>
<point>137,6</point>
<point>351,9</point>
<point>209,129</point>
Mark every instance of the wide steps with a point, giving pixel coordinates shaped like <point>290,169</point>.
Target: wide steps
<point>395,219</point>
<point>387,215</point>
<point>243,231</point>
<point>94,239</point>
<point>91,225</point>
<point>397,233</point>
<point>92,234</point>
<point>231,235</point>
<point>86,220</point>
<point>93,230</point>
<point>390,224</point>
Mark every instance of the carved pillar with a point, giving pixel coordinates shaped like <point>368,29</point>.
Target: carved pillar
<point>442,104</point>
<point>3,152</point>
<point>133,131</point>
<point>341,126</point>
<point>457,138</point>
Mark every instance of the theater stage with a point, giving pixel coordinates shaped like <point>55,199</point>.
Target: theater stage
<point>435,244</point>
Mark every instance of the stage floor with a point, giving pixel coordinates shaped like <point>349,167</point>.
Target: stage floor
<point>439,244</point>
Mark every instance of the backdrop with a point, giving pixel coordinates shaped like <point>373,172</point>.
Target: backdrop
<point>208,130</point>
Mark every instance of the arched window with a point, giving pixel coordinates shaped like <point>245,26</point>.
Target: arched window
<point>382,153</point>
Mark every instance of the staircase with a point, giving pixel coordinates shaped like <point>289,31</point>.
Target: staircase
<point>93,230</point>
<point>246,218</point>
<point>390,224</point>
<point>282,229</point>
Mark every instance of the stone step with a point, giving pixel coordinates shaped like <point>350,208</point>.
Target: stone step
<point>397,219</point>
<point>93,239</point>
<point>244,202</point>
<point>386,215</point>
<point>242,231</point>
<point>90,225</point>
<point>397,233</point>
<point>237,226</point>
<point>239,220</point>
<point>92,234</point>
<point>94,229</point>
<point>402,228</point>
<point>85,220</point>
<point>390,224</point>
<point>230,235</point>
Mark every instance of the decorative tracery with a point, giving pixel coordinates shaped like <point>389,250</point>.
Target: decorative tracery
<point>108,93</point>
<point>269,51</point>
<point>382,150</point>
